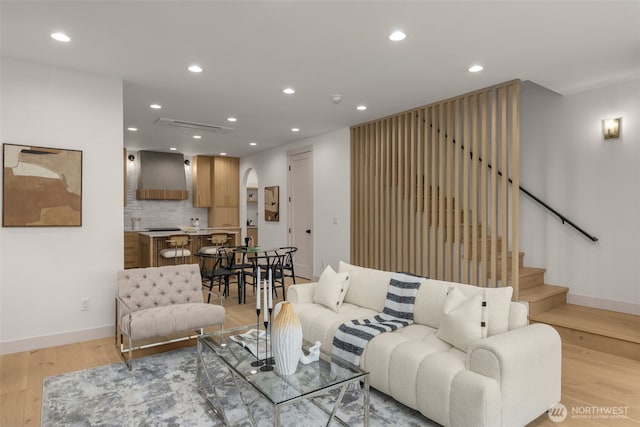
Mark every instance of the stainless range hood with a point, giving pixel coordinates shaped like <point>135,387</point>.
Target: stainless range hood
<point>161,177</point>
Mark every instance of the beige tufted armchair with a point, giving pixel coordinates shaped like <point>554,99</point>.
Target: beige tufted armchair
<point>155,303</point>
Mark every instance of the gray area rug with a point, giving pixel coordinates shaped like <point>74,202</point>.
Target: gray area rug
<point>162,391</point>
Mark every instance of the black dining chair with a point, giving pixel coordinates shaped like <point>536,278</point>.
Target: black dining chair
<point>288,253</point>
<point>213,269</point>
<point>265,260</point>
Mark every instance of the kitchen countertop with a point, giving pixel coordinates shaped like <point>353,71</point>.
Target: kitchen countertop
<point>201,232</point>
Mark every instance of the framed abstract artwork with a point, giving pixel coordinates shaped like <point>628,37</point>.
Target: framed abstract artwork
<point>42,187</point>
<point>272,203</point>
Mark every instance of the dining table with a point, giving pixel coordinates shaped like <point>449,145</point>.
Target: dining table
<point>246,259</point>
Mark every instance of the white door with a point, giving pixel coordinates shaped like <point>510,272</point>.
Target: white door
<point>301,212</point>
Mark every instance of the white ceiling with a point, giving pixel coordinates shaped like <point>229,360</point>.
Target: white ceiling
<point>251,50</point>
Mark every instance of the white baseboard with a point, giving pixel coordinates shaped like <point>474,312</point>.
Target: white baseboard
<point>43,341</point>
<point>604,304</point>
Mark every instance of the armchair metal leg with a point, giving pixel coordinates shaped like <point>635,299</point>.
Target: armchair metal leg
<point>130,351</point>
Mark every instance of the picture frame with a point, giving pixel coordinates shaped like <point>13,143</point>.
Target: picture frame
<point>42,187</point>
<point>272,203</point>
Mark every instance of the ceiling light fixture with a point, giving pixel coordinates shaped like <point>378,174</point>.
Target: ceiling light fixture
<point>253,144</point>
<point>172,148</point>
<point>232,119</point>
<point>61,37</point>
<point>132,129</point>
<point>476,68</point>
<point>197,136</point>
<point>361,107</point>
<point>289,91</point>
<point>155,106</point>
<point>195,68</point>
<point>295,129</point>
<point>223,154</point>
<point>397,36</point>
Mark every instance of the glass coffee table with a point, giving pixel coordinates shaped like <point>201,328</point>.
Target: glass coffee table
<point>224,362</point>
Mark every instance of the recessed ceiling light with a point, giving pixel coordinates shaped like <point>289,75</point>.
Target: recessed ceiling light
<point>61,37</point>
<point>155,106</point>
<point>361,107</point>
<point>223,154</point>
<point>289,90</point>
<point>195,68</point>
<point>172,148</point>
<point>295,130</point>
<point>197,136</point>
<point>476,68</point>
<point>232,119</point>
<point>253,144</point>
<point>396,36</point>
<point>132,129</point>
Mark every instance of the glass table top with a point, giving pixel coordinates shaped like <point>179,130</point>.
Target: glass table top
<point>308,379</point>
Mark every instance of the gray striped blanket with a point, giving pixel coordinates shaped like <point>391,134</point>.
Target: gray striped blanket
<point>352,337</point>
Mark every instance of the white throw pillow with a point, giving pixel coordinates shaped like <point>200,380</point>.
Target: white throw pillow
<point>498,306</point>
<point>332,288</point>
<point>461,320</point>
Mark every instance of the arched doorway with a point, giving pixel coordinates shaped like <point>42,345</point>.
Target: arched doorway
<point>251,211</point>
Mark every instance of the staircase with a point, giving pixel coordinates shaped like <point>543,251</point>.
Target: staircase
<point>596,329</point>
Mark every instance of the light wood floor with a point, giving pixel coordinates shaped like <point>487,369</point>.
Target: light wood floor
<point>589,378</point>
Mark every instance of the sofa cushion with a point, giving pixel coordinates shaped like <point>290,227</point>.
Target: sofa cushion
<point>461,321</point>
<point>434,382</point>
<point>171,319</point>
<point>376,358</point>
<point>429,302</point>
<point>320,323</point>
<point>498,307</point>
<point>331,289</point>
<point>367,287</point>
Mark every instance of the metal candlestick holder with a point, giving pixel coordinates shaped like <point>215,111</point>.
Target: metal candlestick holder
<point>258,362</point>
<point>267,366</point>
<point>270,360</point>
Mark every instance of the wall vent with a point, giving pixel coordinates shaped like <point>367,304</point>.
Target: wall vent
<point>192,125</point>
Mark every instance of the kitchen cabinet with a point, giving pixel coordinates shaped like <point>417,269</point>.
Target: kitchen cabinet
<point>225,192</point>
<point>202,178</point>
<point>131,250</point>
<point>216,185</point>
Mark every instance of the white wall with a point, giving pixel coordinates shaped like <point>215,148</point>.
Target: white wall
<point>45,271</point>
<point>331,195</point>
<point>567,163</point>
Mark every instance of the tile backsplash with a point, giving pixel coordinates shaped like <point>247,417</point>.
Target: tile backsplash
<point>159,213</point>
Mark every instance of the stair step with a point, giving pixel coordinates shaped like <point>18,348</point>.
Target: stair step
<point>499,258</point>
<point>529,277</point>
<point>544,297</point>
<point>602,330</point>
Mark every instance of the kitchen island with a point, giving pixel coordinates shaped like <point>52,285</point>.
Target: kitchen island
<point>151,242</point>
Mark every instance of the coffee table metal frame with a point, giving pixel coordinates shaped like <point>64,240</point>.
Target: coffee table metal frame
<point>237,361</point>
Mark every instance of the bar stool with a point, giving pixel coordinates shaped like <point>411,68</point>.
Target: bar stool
<point>217,240</point>
<point>177,247</point>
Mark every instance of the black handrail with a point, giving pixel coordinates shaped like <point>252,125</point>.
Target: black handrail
<point>562,218</point>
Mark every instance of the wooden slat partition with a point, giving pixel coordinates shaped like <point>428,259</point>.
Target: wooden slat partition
<point>429,189</point>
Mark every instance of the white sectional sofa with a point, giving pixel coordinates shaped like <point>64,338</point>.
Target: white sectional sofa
<point>508,378</point>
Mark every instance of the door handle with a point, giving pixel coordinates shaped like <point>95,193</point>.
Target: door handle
<point>308,231</point>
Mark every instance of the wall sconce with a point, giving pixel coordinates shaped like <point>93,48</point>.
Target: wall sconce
<point>611,128</point>
<point>131,157</point>
<point>187,162</point>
